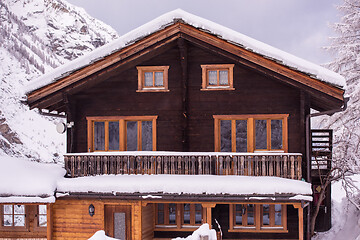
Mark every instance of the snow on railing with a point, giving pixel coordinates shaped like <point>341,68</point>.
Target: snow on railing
<point>285,165</point>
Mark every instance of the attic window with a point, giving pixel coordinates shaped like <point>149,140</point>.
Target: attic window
<point>217,77</point>
<point>153,79</point>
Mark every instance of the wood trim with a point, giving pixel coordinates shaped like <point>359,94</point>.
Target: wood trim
<point>217,136</point>
<point>154,134</point>
<point>246,116</point>
<point>122,130</point>
<point>132,118</point>
<point>39,96</point>
<point>49,221</point>
<point>218,68</point>
<point>233,135</point>
<point>251,130</point>
<point>301,223</point>
<point>90,146</point>
<point>258,218</point>
<point>106,135</point>
<point>262,61</point>
<point>153,69</point>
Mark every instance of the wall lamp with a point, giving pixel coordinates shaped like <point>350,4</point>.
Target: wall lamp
<point>91,210</point>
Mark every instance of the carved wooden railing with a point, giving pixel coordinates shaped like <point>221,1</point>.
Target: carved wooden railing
<point>285,165</point>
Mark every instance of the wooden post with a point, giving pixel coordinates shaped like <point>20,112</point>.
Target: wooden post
<point>301,220</point>
<point>49,221</point>
<point>208,207</point>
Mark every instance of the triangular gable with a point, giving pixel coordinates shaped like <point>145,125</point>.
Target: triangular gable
<point>49,89</point>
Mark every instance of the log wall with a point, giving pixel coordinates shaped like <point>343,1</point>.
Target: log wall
<point>254,94</point>
<point>71,219</point>
<point>147,221</point>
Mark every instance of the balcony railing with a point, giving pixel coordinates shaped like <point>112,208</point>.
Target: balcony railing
<point>285,165</point>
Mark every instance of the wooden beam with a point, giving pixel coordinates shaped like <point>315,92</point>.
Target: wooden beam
<point>262,61</point>
<point>184,92</point>
<point>169,34</point>
<point>49,219</point>
<point>145,45</point>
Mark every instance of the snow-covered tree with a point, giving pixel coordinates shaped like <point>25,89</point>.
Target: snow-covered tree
<point>346,50</point>
<point>346,124</point>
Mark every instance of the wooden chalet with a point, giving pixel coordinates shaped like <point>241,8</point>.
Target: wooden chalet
<point>182,122</point>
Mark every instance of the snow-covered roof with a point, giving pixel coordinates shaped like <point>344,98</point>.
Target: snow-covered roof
<point>225,33</point>
<point>156,185</point>
<point>23,181</point>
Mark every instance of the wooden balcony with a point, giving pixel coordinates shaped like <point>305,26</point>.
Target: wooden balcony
<point>285,165</point>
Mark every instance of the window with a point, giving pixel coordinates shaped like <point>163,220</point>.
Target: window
<point>153,78</point>
<point>23,220</point>
<point>191,214</point>
<point>217,77</point>
<point>250,133</point>
<point>258,218</point>
<point>130,133</point>
<point>178,216</point>
<point>41,216</point>
<point>13,216</point>
<point>166,215</point>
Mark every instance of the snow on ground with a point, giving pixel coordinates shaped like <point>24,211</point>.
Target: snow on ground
<point>100,235</point>
<point>345,216</point>
<point>26,181</point>
<point>190,184</point>
<point>251,44</point>
<point>202,231</point>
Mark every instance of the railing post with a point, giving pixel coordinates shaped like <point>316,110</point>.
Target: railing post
<point>179,162</point>
<point>285,166</point>
<point>271,167</point>
<point>299,170</point>
<point>292,161</point>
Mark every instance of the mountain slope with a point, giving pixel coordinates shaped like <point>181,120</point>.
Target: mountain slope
<point>35,37</point>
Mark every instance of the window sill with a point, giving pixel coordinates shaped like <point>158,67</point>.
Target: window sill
<point>175,228</point>
<point>262,230</point>
<point>217,89</point>
<point>153,90</point>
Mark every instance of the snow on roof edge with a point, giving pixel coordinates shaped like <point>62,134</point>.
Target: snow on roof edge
<point>225,33</point>
<point>27,199</point>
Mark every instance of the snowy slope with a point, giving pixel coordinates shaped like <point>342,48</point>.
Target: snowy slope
<point>35,37</point>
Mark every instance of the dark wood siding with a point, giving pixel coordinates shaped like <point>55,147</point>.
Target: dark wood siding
<point>254,94</point>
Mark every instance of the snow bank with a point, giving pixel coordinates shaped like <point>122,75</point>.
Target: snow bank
<point>345,216</point>
<point>251,44</point>
<point>100,235</point>
<point>26,181</point>
<point>187,184</point>
<point>202,231</point>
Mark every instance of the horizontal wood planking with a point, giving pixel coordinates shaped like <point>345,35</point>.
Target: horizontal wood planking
<point>71,219</point>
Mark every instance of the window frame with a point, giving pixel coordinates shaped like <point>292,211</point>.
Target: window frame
<point>251,131</point>
<point>179,224</point>
<point>37,215</point>
<point>141,78</point>
<point>217,67</point>
<point>122,131</point>
<point>258,219</point>
<point>13,228</point>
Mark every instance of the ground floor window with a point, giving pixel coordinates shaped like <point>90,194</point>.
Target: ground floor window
<point>258,217</point>
<point>16,218</point>
<point>176,216</point>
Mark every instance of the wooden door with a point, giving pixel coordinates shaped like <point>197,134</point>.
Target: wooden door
<point>118,221</point>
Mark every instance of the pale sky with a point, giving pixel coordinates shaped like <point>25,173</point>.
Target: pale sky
<point>300,27</point>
